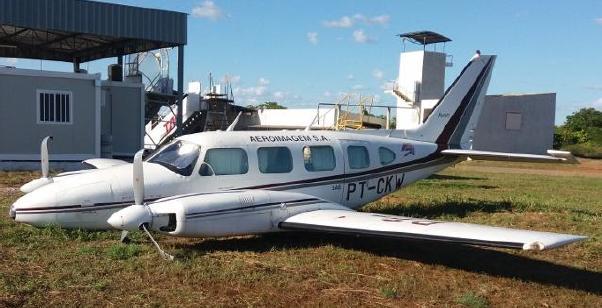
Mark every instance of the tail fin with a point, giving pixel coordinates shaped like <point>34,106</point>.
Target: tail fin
<point>457,112</point>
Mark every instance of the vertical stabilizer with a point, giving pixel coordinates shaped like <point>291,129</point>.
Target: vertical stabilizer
<point>456,114</point>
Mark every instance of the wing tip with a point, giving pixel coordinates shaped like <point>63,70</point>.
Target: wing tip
<point>537,245</point>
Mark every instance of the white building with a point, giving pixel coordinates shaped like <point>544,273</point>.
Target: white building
<point>509,123</point>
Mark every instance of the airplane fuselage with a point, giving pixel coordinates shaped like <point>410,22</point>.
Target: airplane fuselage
<point>347,168</point>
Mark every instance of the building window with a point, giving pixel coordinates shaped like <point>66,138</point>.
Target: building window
<point>514,120</point>
<point>319,158</point>
<point>358,157</point>
<point>225,162</point>
<point>386,156</point>
<point>275,160</point>
<point>54,107</point>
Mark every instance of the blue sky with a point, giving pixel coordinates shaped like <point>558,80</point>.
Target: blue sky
<point>303,52</point>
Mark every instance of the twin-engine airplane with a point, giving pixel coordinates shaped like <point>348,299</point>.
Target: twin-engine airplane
<point>251,182</point>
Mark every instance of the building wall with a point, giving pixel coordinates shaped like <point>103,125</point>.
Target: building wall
<point>516,123</point>
<point>421,76</point>
<point>20,132</point>
<point>122,110</point>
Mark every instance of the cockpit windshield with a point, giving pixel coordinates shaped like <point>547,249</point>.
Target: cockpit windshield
<point>179,157</point>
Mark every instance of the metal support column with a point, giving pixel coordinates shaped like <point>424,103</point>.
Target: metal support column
<point>76,62</point>
<point>180,90</point>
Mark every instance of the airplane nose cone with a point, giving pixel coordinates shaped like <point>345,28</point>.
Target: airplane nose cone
<point>131,218</point>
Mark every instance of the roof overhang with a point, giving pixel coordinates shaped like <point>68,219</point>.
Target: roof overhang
<point>424,37</point>
<point>81,31</point>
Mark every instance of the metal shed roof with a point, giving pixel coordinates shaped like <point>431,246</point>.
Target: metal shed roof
<point>81,31</point>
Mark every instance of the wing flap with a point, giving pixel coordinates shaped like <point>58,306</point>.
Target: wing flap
<point>359,223</point>
<point>502,156</point>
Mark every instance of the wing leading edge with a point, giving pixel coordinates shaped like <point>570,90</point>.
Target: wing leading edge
<point>359,223</point>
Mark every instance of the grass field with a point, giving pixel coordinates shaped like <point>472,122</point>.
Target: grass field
<point>41,267</point>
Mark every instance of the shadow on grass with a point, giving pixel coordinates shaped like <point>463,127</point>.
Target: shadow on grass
<point>468,258</point>
<point>453,177</point>
<point>447,208</point>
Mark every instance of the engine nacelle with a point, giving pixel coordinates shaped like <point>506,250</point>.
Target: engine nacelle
<point>229,213</point>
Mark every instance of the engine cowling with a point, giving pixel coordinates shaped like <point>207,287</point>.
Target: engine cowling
<point>229,213</point>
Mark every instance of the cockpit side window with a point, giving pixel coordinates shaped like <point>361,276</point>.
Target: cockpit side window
<point>179,157</point>
<point>225,161</point>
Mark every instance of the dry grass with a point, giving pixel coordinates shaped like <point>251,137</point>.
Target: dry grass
<point>40,267</point>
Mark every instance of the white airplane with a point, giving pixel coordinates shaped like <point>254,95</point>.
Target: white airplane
<point>227,183</point>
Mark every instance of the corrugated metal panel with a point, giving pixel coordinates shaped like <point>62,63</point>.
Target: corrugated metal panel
<point>96,18</point>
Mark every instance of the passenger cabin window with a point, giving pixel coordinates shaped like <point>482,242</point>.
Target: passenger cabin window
<point>275,160</point>
<point>386,156</point>
<point>319,158</point>
<point>226,161</point>
<point>358,157</point>
<point>179,157</point>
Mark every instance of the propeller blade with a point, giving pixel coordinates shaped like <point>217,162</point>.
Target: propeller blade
<point>163,254</point>
<point>44,156</point>
<point>124,236</point>
<point>138,183</point>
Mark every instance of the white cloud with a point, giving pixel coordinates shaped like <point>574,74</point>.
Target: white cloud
<point>359,36</point>
<point>358,87</point>
<point>208,10</point>
<point>327,94</point>
<point>597,103</point>
<point>379,20</point>
<point>312,37</point>
<point>350,77</point>
<point>378,74</point>
<point>252,91</point>
<point>598,20</point>
<point>279,95</point>
<point>263,82</point>
<point>388,85</point>
<point>343,22</point>
<point>348,22</point>
<point>232,79</point>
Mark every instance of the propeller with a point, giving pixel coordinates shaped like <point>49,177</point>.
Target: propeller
<point>45,166</point>
<point>137,216</point>
<point>44,159</point>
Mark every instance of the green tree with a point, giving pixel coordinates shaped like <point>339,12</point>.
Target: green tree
<point>584,119</point>
<point>581,133</point>
<point>270,105</point>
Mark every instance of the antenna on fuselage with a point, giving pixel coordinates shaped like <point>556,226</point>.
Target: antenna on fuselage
<point>233,125</point>
<point>308,127</point>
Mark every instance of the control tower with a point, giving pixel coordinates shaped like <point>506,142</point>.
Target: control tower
<point>421,79</point>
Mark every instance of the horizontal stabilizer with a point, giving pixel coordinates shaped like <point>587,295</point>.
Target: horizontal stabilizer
<point>518,157</point>
<point>360,223</point>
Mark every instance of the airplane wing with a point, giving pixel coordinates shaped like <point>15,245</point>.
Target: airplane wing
<point>488,155</point>
<point>372,224</point>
